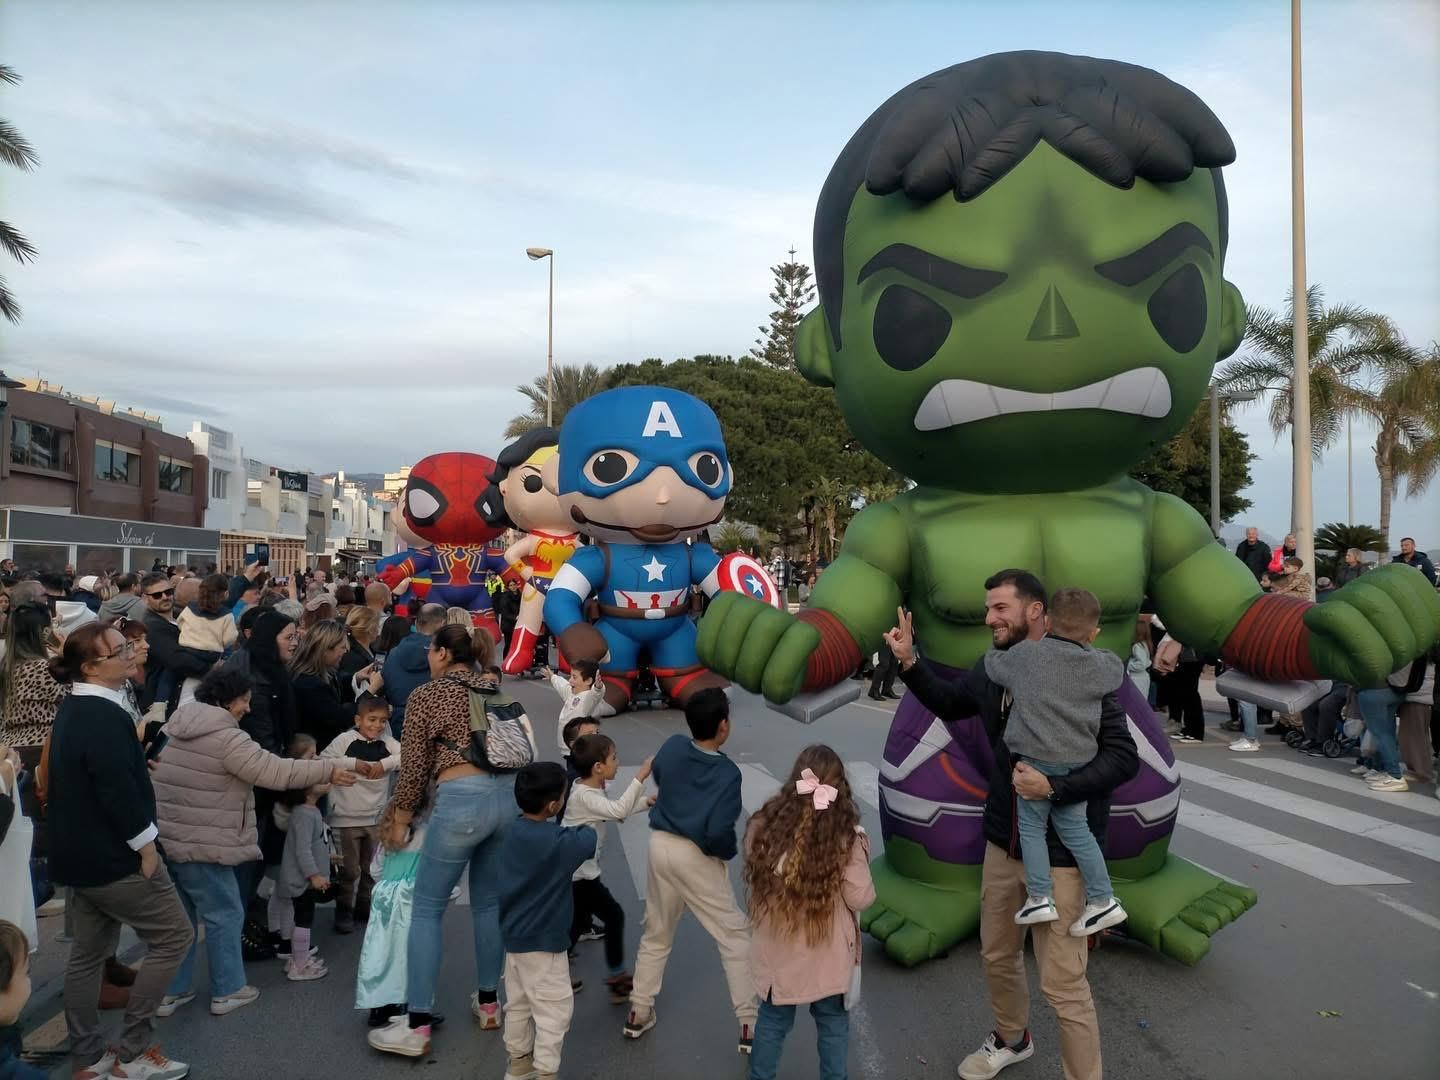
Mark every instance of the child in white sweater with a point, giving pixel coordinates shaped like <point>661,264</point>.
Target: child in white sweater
<point>597,761</point>
<point>583,694</point>
<point>355,811</point>
<point>207,630</point>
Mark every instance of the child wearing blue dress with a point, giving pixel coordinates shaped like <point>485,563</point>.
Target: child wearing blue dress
<point>380,980</point>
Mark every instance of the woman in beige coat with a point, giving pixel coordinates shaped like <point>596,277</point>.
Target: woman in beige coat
<point>204,779</point>
<point>807,867</point>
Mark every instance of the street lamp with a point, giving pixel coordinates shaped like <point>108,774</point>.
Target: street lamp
<point>537,253</point>
<point>1215,395</point>
<point>1302,508</point>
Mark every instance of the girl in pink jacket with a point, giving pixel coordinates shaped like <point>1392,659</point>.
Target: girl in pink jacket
<point>807,868</point>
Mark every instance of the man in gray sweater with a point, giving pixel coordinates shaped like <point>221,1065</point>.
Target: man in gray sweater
<point>1057,683</point>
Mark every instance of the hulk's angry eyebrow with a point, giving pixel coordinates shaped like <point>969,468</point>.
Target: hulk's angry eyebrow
<point>1155,256</point>
<point>954,278</point>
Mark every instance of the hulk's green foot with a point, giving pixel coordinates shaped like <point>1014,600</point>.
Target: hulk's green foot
<point>1179,907</point>
<point>917,920</point>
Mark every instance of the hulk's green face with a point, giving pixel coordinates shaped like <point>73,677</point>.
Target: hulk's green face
<point>1043,336</point>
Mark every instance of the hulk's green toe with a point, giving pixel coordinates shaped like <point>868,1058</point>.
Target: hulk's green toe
<point>918,921</point>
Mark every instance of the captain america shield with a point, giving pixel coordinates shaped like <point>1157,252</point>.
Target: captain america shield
<point>740,573</point>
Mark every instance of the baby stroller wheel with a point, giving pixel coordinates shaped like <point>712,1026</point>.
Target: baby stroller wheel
<point>1334,748</point>
<point>1294,737</point>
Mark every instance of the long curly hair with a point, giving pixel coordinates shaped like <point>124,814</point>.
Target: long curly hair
<point>798,854</point>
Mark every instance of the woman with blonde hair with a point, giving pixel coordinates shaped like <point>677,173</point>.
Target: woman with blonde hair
<point>362,627</point>
<point>314,674</point>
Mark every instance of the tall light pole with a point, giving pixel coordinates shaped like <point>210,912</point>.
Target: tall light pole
<point>1302,509</point>
<point>537,253</point>
<point>1215,395</point>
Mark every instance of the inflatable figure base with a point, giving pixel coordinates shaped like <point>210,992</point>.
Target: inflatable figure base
<point>924,907</point>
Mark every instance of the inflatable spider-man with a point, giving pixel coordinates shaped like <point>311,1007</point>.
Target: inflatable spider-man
<point>440,506</point>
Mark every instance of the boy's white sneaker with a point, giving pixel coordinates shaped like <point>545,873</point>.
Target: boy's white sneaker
<point>170,1002</point>
<point>1386,782</point>
<point>150,1064</point>
<point>398,1037</point>
<point>521,1068</point>
<point>1036,909</point>
<point>1097,917</point>
<point>1245,746</point>
<point>230,1002</point>
<point>993,1056</point>
<point>98,1071</point>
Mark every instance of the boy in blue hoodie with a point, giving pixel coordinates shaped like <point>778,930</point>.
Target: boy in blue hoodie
<point>537,861</point>
<point>692,838</point>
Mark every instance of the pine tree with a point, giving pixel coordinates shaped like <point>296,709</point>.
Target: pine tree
<point>793,291</point>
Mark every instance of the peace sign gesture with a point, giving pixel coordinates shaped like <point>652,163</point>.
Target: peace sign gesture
<point>901,638</point>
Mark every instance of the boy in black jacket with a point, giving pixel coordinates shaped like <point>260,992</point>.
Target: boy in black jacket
<point>692,837</point>
<point>537,861</point>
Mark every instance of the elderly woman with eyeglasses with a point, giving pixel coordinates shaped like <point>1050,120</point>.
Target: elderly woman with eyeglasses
<point>103,846</point>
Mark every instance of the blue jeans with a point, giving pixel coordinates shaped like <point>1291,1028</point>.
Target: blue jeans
<point>832,1037</point>
<point>211,893</point>
<point>465,830</point>
<point>1250,719</point>
<point>1074,832</point>
<point>1381,712</point>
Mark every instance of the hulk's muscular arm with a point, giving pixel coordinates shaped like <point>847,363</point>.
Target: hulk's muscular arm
<point>858,593</point>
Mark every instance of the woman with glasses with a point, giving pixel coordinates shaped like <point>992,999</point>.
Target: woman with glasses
<point>103,832</point>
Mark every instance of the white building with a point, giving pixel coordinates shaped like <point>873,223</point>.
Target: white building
<point>226,509</point>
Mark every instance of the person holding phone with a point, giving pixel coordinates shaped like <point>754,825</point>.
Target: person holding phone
<point>101,808</point>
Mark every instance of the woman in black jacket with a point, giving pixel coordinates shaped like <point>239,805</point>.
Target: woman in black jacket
<point>322,711</point>
<point>103,846</point>
<point>362,627</point>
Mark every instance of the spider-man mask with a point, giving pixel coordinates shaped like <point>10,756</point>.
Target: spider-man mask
<point>441,497</point>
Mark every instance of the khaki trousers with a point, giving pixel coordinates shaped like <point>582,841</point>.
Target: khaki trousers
<point>682,876</point>
<point>538,1006</point>
<point>357,845</point>
<point>1060,958</point>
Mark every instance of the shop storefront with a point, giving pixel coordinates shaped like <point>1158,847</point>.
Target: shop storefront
<point>49,542</point>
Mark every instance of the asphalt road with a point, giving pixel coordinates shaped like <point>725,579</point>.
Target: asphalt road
<point>1348,922</point>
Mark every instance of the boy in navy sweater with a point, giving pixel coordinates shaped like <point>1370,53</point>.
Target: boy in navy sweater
<point>537,861</point>
<point>693,836</point>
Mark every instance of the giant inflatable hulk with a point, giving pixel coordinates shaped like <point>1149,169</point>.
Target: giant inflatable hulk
<point>1020,266</point>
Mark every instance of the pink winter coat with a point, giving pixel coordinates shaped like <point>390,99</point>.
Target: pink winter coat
<point>791,971</point>
<point>204,785</point>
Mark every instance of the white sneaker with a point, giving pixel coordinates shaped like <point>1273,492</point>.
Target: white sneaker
<point>993,1056</point>
<point>171,1002</point>
<point>99,1071</point>
<point>1360,770</point>
<point>521,1068</point>
<point>230,1002</point>
<point>150,1065</point>
<point>1036,909</point>
<point>1245,746</point>
<point>1389,783</point>
<point>398,1037</point>
<point>313,968</point>
<point>1097,917</point>
<point>1371,775</point>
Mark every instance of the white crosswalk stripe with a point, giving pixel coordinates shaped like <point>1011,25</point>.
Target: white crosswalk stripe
<point>1267,844</point>
<point>1417,801</point>
<point>865,782</point>
<point>1373,829</point>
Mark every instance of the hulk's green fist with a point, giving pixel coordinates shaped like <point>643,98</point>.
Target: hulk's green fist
<point>1375,625</point>
<point>761,648</point>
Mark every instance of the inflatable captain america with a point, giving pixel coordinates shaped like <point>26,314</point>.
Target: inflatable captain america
<point>640,469</point>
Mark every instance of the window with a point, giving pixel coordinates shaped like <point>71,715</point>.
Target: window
<point>117,463</point>
<point>39,446</point>
<point>44,558</point>
<point>95,559</point>
<point>219,484</point>
<point>176,476</point>
<point>142,560</point>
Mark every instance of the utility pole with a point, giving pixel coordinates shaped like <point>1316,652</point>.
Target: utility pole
<point>1302,509</point>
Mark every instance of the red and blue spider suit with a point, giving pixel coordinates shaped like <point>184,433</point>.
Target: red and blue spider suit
<point>439,505</point>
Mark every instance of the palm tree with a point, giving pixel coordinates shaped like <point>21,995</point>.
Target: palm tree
<point>833,500</point>
<point>1405,407</point>
<point>1348,345</point>
<point>731,537</point>
<point>14,150</point>
<point>573,384</point>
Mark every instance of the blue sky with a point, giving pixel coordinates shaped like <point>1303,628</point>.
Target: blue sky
<point>306,222</point>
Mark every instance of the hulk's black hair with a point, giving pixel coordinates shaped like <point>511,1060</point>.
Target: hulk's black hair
<point>490,505</point>
<point>962,129</point>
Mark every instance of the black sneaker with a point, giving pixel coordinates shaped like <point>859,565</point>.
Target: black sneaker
<point>747,1038</point>
<point>1306,745</point>
<point>1277,729</point>
<point>1231,725</point>
<point>635,1027</point>
<point>384,1014</point>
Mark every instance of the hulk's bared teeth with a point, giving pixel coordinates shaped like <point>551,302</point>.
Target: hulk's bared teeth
<point>1139,392</point>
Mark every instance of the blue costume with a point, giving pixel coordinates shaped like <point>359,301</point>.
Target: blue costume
<point>640,570</point>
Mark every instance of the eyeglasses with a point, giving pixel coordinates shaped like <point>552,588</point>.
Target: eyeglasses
<point>125,652</point>
<point>162,592</point>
